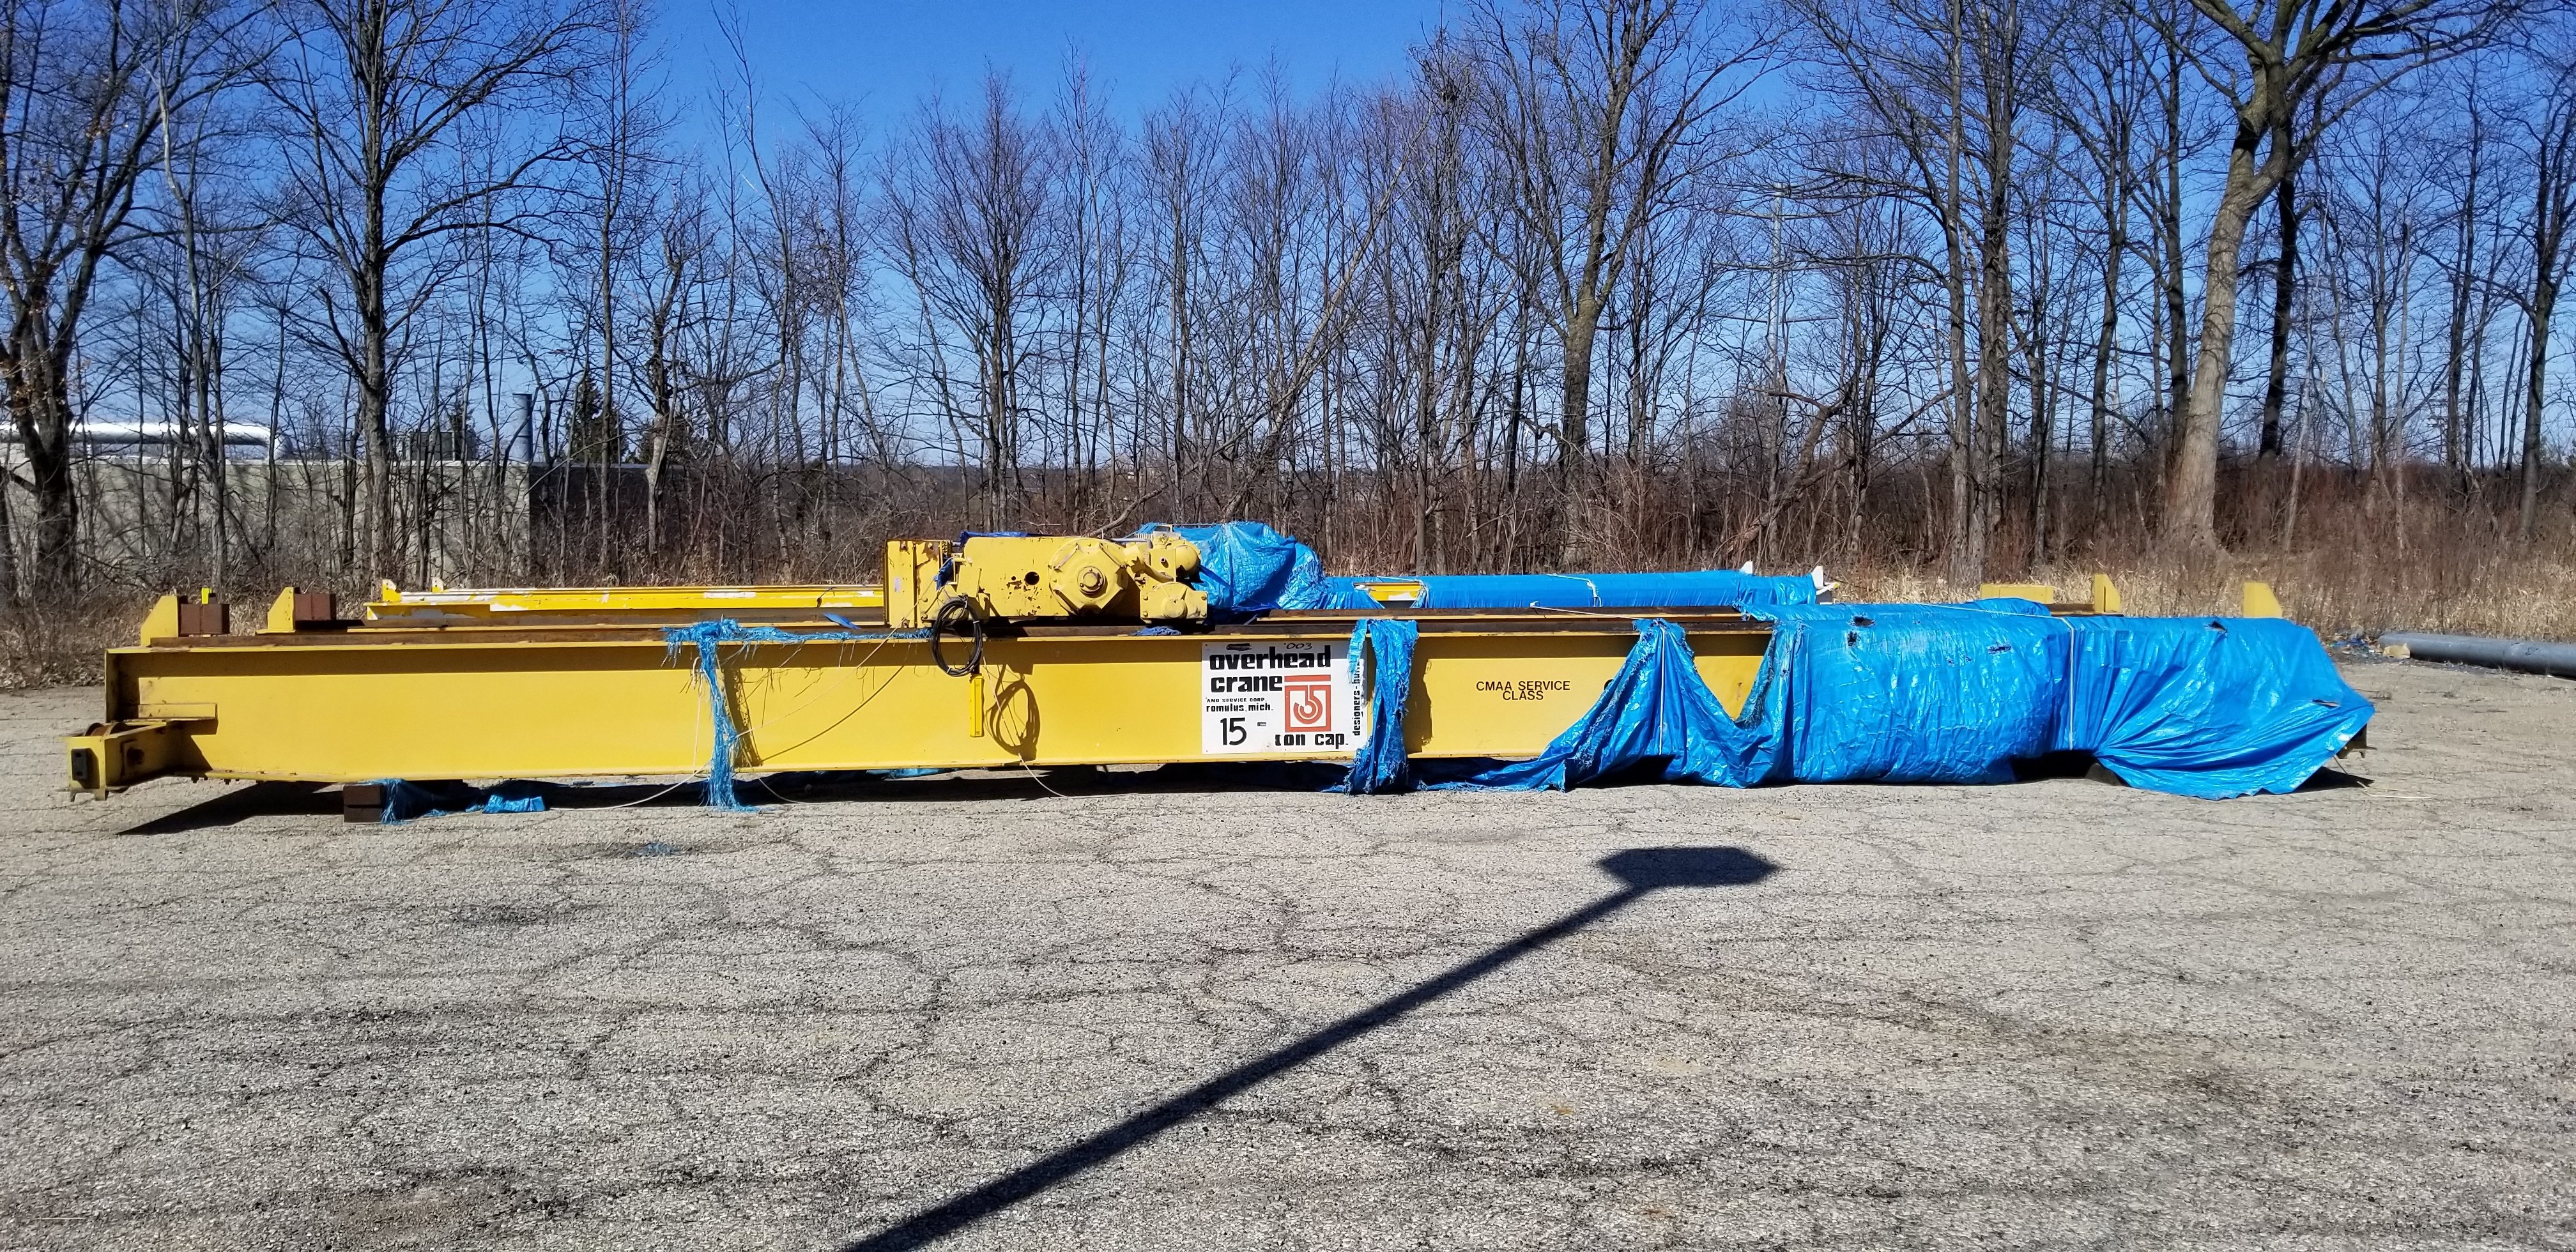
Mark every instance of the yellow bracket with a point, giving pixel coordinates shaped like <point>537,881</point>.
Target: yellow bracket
<point>162,622</point>
<point>1396,593</point>
<point>2041,592</point>
<point>281,614</point>
<point>2105,598</point>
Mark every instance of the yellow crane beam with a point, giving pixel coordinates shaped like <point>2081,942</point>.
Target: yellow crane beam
<point>987,651</point>
<point>383,701</point>
<point>616,605</point>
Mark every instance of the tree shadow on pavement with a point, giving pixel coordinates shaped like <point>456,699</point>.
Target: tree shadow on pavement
<point>1639,871</point>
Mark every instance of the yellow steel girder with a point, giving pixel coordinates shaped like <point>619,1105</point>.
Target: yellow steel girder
<point>619,605</point>
<point>489,703</point>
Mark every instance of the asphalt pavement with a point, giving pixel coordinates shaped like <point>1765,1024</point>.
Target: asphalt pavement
<point>1166,1013</point>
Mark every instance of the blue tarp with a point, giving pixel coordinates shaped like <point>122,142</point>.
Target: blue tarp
<point>1246,568</point>
<point>410,801</point>
<point>2198,706</point>
<point>1381,656</point>
<point>2209,707</point>
<point>2206,706</point>
<point>1657,715</point>
<point>1910,692</point>
<point>1682,589</point>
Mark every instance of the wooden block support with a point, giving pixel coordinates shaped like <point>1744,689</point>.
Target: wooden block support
<point>205,619</point>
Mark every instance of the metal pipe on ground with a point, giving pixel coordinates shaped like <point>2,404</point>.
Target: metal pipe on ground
<point>2528,655</point>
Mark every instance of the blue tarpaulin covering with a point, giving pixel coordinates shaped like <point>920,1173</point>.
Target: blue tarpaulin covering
<point>1682,589</point>
<point>1382,660</point>
<point>2206,706</point>
<point>1656,715</point>
<point>2197,706</point>
<point>1247,568</point>
<point>410,801</point>
<point>2209,707</point>
<point>1910,692</point>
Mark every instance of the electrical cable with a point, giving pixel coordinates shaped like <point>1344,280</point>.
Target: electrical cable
<point>957,607</point>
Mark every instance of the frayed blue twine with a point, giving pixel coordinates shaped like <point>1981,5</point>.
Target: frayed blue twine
<point>707,637</point>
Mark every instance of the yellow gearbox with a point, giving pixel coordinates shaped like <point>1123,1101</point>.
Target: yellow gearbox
<point>1041,577</point>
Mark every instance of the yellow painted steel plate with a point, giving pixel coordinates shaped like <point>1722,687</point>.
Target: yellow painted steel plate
<point>489,703</point>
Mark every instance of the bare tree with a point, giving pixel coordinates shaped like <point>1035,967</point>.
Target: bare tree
<point>619,137</point>
<point>377,97</point>
<point>2322,57</point>
<point>2097,96</point>
<point>2462,274</point>
<point>1602,112</point>
<point>1098,264</point>
<point>2285,277</point>
<point>681,244</point>
<point>1181,155</point>
<point>968,202</point>
<point>213,242</point>
<point>1947,82</point>
<point>86,87</point>
<point>2552,157</point>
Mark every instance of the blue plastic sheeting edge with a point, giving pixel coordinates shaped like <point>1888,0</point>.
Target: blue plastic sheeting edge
<point>1246,568</point>
<point>1381,661</point>
<point>1682,589</point>
<point>2211,707</point>
<point>407,801</point>
<point>1657,712</point>
<point>2206,707</point>
<point>708,638</point>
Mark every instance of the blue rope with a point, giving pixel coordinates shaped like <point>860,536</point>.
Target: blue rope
<point>707,637</point>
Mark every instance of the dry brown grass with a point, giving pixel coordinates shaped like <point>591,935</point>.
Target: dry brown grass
<point>2374,554</point>
<point>51,644</point>
<point>2507,594</point>
<point>2497,588</point>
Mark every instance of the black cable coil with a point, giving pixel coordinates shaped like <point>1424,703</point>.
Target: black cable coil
<point>947,620</point>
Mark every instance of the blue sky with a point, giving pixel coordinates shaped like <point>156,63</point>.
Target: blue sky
<point>884,54</point>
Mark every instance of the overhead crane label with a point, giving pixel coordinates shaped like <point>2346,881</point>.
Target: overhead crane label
<point>1267,698</point>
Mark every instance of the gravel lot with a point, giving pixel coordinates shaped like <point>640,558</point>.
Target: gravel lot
<point>2051,1015</point>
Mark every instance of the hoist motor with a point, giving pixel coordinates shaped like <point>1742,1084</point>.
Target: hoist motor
<point>1044,578</point>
